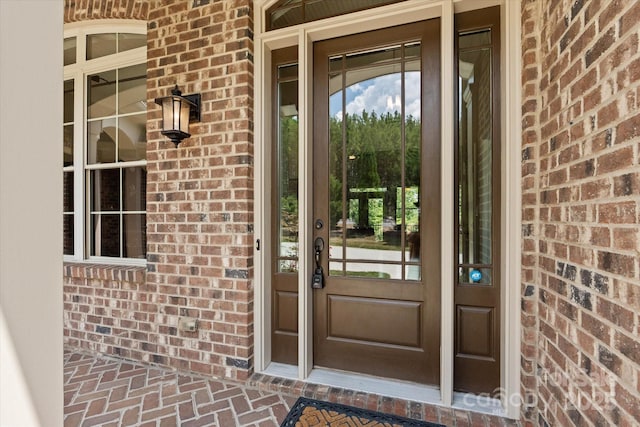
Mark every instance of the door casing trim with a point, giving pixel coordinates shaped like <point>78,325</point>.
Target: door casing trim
<point>396,14</point>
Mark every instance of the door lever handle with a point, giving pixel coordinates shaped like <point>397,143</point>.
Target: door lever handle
<point>317,280</point>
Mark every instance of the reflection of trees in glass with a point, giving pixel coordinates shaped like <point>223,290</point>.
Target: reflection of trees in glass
<point>374,164</point>
<point>288,176</point>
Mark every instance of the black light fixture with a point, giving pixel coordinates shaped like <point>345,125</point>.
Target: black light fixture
<point>177,112</point>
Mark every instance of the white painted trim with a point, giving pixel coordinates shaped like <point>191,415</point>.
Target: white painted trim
<point>511,209</point>
<point>105,26</point>
<point>305,210</point>
<point>460,6</point>
<point>446,204</point>
<point>262,329</point>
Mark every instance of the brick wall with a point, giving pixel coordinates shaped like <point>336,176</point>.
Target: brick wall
<point>199,201</point>
<point>200,196</point>
<point>581,206</point>
<point>108,309</point>
<point>84,10</point>
<point>530,202</point>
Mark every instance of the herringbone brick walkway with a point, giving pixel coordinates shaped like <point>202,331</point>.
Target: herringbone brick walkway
<point>106,391</point>
<point>101,391</point>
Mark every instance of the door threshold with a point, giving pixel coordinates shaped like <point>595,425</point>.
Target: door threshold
<point>388,387</point>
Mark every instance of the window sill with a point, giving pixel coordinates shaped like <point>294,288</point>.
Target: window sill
<point>91,269</point>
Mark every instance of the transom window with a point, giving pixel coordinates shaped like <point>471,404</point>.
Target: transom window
<point>287,13</point>
<point>104,147</point>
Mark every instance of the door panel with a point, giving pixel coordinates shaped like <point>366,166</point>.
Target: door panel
<point>347,315</point>
<point>376,163</point>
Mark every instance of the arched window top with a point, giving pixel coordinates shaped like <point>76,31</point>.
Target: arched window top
<point>102,38</point>
<point>286,13</point>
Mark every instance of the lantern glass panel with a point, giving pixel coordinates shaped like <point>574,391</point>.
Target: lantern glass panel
<point>184,117</point>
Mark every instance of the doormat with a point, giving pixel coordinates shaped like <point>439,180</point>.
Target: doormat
<point>314,413</point>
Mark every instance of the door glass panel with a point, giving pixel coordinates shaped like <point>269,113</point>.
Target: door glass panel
<point>475,163</point>
<point>374,163</point>
<point>287,168</point>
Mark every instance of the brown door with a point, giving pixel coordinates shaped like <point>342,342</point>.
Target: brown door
<point>477,289</point>
<point>377,202</point>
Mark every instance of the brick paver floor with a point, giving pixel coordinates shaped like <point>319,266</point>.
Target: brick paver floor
<point>106,391</point>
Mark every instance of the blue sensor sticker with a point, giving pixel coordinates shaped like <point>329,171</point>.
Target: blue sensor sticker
<point>475,276</point>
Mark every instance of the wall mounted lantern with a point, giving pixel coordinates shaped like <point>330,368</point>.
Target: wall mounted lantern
<point>177,112</point>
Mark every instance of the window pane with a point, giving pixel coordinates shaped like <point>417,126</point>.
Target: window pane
<point>99,45</point>
<point>69,50</point>
<point>67,239</point>
<point>67,192</point>
<point>105,190</point>
<point>132,138</point>
<point>105,235</point>
<point>101,97</point>
<point>134,188</point>
<point>68,101</point>
<point>289,12</point>
<point>132,89</point>
<point>135,236</point>
<point>288,17</point>
<point>479,38</point>
<point>101,140</point>
<point>67,145</point>
<point>475,154</point>
<point>129,41</point>
<point>288,167</point>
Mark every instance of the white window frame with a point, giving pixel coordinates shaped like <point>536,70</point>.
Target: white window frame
<point>509,399</point>
<point>78,73</point>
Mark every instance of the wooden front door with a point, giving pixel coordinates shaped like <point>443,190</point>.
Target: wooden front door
<point>377,202</point>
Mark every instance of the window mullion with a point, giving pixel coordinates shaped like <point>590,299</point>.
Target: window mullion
<point>78,166</point>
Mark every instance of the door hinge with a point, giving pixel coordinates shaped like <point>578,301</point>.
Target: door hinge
<point>258,245</point>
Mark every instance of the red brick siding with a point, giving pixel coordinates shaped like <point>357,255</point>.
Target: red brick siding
<point>199,202</point>
<point>583,124</point>
<point>107,310</point>
<point>530,46</point>
<point>84,10</point>
<point>200,195</point>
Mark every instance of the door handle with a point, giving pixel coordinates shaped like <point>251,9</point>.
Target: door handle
<point>317,280</point>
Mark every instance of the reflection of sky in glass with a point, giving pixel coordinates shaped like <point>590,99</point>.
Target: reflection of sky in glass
<point>380,94</point>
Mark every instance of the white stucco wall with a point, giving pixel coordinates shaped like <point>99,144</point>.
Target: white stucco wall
<point>31,371</point>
